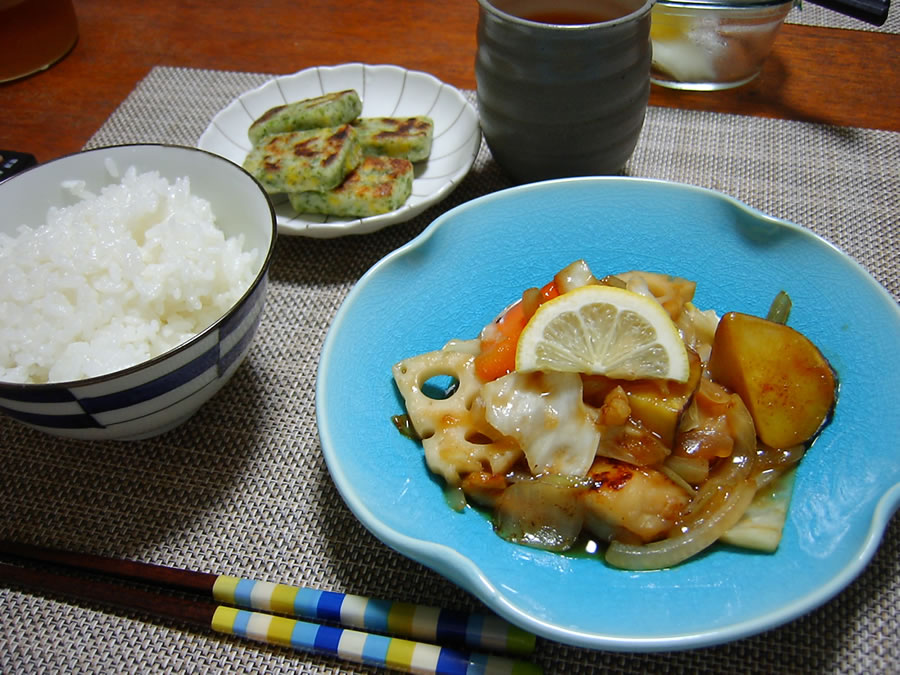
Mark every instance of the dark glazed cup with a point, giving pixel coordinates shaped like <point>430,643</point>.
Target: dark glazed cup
<point>558,100</point>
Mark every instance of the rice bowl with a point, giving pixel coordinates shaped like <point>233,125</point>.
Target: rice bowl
<point>134,290</point>
<point>114,279</point>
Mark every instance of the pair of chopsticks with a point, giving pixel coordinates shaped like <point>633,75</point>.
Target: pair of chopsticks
<point>241,607</point>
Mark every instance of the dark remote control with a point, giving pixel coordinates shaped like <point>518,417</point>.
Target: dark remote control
<point>13,162</point>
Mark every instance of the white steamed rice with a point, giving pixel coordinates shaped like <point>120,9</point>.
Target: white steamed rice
<point>114,279</point>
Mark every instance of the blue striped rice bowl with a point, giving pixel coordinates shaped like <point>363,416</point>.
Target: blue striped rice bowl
<point>152,397</point>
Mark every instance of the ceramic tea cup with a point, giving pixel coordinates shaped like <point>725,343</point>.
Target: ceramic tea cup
<point>34,35</point>
<point>562,85</point>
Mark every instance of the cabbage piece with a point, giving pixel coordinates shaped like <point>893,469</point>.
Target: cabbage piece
<point>546,414</point>
<point>544,513</point>
<point>762,524</point>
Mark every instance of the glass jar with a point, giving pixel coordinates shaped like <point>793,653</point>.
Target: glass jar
<point>704,45</point>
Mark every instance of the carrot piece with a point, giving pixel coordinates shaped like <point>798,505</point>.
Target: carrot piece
<point>498,360</point>
<point>549,291</point>
<point>498,348</point>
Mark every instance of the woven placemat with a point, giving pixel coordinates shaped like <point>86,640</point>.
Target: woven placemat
<point>808,14</point>
<point>245,492</point>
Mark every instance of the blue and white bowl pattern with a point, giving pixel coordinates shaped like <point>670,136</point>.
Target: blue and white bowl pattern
<point>145,400</point>
<point>155,396</point>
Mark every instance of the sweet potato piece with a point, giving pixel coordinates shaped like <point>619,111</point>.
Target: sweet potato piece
<point>782,377</point>
<point>658,404</point>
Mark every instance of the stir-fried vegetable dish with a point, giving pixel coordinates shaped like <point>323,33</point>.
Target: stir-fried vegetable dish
<point>611,412</point>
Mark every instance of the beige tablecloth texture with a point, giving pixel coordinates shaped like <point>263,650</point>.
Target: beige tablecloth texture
<point>808,14</point>
<point>242,488</point>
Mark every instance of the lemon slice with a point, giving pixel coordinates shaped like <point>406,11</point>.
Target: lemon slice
<point>603,330</point>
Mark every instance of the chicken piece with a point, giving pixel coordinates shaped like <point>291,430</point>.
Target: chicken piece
<point>630,503</point>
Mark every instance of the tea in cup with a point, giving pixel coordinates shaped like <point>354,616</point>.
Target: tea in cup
<point>562,85</point>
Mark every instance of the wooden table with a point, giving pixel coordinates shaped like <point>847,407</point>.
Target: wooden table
<point>841,77</point>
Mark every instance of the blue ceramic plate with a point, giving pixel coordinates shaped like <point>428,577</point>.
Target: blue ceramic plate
<point>474,260</point>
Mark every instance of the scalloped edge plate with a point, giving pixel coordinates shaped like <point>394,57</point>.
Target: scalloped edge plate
<point>386,91</point>
<point>472,261</point>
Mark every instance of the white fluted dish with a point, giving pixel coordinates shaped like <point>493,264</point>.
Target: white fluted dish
<point>386,91</point>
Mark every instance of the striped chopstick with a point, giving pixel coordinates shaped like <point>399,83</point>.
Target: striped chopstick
<point>479,631</point>
<point>420,622</point>
<point>347,644</point>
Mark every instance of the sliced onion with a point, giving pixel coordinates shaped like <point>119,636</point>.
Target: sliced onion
<point>676,478</point>
<point>456,498</point>
<point>718,505</point>
<point>728,473</point>
<point>677,549</point>
<point>540,513</point>
<point>771,458</point>
<point>693,470</point>
<point>772,463</point>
